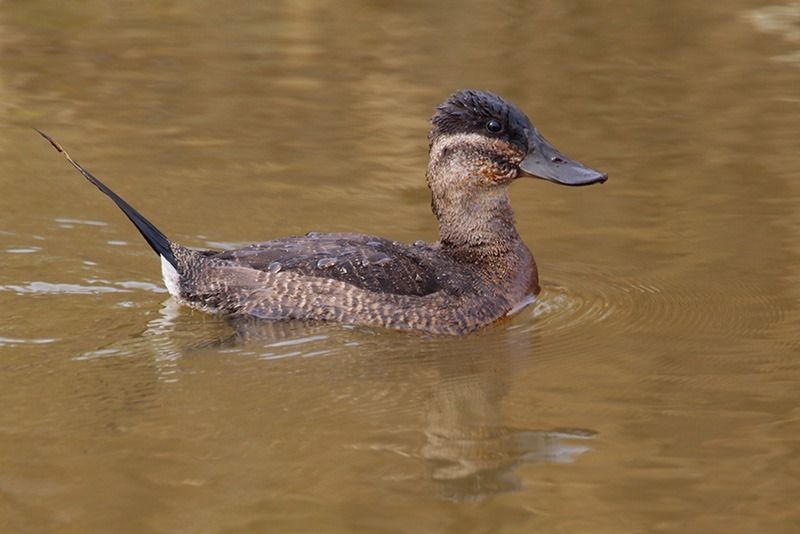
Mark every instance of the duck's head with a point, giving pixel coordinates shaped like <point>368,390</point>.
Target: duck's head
<point>480,138</point>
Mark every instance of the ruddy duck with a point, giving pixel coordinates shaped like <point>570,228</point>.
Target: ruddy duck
<point>479,271</point>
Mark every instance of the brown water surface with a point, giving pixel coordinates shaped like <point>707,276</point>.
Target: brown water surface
<point>653,387</point>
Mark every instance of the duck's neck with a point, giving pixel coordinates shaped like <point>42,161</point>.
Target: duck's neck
<point>482,233</point>
<point>477,225</point>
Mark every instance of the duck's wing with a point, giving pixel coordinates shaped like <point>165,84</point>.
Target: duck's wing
<point>367,262</point>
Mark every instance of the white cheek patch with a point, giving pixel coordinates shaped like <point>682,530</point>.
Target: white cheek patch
<point>451,140</point>
<point>171,277</point>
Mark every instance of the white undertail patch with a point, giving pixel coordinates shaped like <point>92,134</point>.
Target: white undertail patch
<point>171,277</point>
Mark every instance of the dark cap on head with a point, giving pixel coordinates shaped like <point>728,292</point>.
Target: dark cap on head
<point>472,111</point>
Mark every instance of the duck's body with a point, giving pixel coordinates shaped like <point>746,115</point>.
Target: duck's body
<point>479,271</point>
<point>356,279</point>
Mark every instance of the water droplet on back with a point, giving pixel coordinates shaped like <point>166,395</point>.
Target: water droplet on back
<point>274,267</point>
<point>419,243</point>
<point>324,263</point>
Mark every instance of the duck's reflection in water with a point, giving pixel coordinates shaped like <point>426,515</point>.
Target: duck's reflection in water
<point>468,449</point>
<point>470,452</point>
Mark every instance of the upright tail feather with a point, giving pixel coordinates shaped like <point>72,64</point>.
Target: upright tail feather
<point>157,241</point>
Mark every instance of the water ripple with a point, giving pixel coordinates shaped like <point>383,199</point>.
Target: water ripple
<point>9,341</point>
<point>654,305</point>
<point>94,287</point>
<point>48,288</point>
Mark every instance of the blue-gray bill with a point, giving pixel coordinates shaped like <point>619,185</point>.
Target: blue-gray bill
<point>546,162</point>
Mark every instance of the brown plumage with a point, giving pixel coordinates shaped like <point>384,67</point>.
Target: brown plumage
<point>479,270</point>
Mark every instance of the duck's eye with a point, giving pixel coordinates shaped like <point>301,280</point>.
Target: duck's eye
<point>494,126</point>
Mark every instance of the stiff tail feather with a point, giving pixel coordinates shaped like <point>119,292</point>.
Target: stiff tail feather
<point>157,240</point>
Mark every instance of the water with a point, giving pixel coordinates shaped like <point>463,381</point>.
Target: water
<point>652,387</point>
